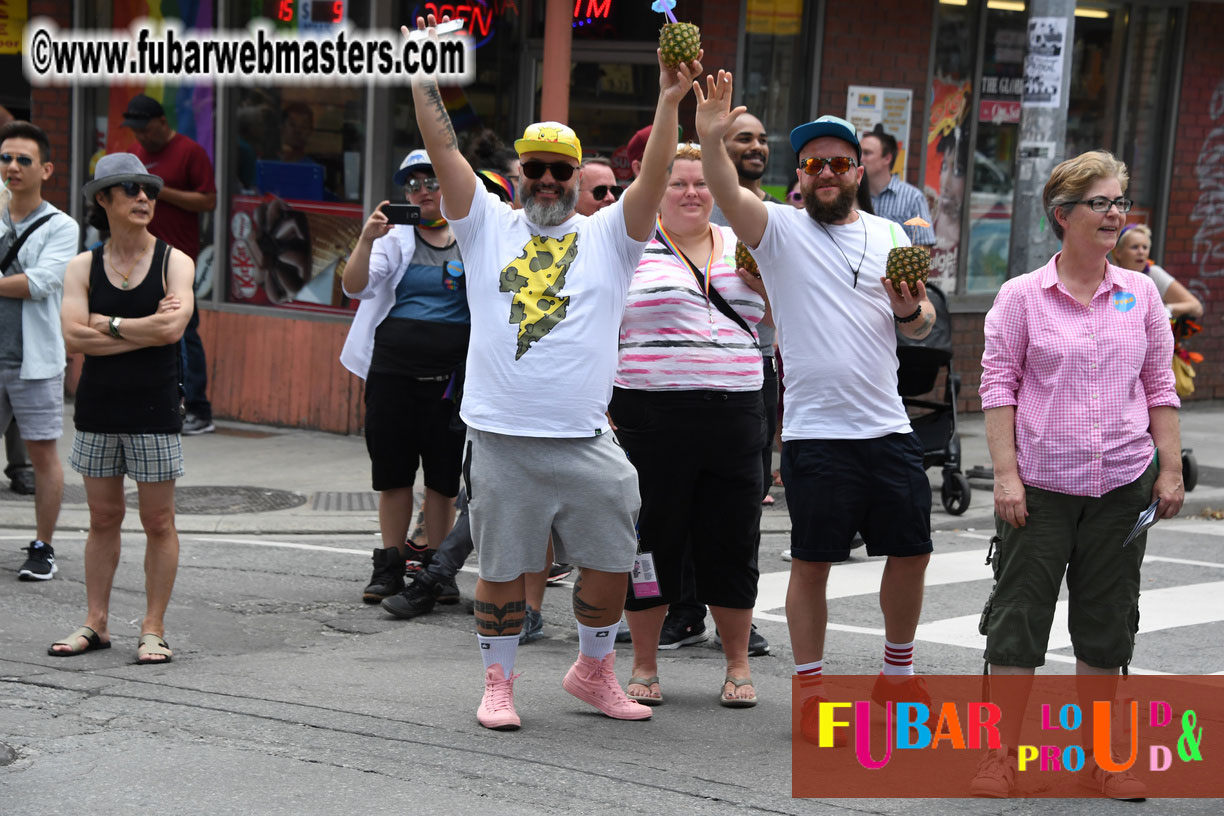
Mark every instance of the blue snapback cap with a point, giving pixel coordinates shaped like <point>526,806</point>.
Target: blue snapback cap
<point>826,126</point>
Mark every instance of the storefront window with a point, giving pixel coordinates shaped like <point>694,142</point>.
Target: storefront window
<point>947,142</point>
<point>994,157</point>
<point>776,86</point>
<point>1148,106</point>
<point>295,181</point>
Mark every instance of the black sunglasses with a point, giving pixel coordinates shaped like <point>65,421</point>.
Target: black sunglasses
<point>561,171</point>
<point>8,158</point>
<point>416,185</point>
<point>815,166</point>
<point>132,189</point>
<point>598,192</point>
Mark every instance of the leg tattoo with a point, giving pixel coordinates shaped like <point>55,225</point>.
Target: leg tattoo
<point>585,612</point>
<point>492,620</point>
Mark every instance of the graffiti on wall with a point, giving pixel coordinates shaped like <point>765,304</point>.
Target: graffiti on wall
<point>1209,209</point>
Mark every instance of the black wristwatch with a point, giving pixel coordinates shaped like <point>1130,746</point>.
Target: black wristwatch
<point>114,326</point>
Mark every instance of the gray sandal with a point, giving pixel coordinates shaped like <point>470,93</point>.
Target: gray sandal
<point>642,698</point>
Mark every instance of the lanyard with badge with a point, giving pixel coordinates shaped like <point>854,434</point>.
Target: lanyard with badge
<point>713,297</point>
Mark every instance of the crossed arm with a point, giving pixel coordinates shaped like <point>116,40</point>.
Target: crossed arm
<point>89,332</point>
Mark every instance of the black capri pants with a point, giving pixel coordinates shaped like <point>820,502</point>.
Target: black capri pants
<point>698,458</point>
<point>408,424</point>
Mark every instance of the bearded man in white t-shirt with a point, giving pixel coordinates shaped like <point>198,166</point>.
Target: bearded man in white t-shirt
<point>546,288</point>
<point>850,460</point>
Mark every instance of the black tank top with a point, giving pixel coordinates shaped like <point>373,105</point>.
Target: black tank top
<point>136,391</point>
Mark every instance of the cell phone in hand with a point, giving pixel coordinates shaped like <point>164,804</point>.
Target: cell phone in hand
<point>407,214</point>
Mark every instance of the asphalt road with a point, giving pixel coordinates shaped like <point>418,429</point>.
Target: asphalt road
<point>289,696</point>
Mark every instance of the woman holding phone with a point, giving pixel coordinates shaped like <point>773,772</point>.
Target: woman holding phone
<point>408,342</point>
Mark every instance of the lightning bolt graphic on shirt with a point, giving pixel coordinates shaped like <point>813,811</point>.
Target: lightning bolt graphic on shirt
<point>536,278</point>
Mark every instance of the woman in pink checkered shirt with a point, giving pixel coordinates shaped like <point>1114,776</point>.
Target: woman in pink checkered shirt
<point>1081,420</point>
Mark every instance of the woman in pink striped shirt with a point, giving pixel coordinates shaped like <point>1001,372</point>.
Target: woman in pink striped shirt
<point>1081,420</point>
<point>687,408</point>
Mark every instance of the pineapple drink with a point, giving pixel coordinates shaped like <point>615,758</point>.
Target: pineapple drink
<point>908,264</point>
<point>744,260</point>
<point>678,42</point>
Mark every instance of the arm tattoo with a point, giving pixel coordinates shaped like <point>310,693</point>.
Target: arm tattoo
<point>444,120</point>
<point>584,611</point>
<point>491,618</point>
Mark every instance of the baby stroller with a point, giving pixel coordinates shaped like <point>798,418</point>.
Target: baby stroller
<point>920,364</point>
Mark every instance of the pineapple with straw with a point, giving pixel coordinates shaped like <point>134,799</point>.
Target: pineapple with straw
<point>679,43</point>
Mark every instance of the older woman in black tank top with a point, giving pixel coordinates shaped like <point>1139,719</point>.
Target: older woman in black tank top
<point>126,304</point>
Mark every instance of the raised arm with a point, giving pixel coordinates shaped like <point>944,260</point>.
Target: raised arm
<point>455,175</point>
<point>357,269</point>
<point>744,211</point>
<point>643,196</point>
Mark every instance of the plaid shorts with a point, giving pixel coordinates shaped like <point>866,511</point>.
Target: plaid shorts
<point>143,457</point>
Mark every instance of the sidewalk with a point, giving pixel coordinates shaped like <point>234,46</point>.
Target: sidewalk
<point>253,480</point>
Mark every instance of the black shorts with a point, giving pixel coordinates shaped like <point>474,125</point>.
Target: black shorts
<point>408,424</point>
<point>876,487</point>
<point>698,459</point>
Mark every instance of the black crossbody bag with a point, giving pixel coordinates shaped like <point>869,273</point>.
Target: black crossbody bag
<point>717,299</point>
<point>11,255</point>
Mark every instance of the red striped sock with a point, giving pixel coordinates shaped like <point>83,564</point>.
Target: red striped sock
<point>898,658</point>
<point>811,678</point>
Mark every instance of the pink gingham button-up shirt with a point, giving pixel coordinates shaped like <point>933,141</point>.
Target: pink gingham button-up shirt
<point>1082,378</point>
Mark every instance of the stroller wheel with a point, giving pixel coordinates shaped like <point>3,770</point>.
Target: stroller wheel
<point>1189,470</point>
<point>955,493</point>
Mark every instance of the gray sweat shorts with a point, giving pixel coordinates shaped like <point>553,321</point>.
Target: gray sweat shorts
<point>520,488</point>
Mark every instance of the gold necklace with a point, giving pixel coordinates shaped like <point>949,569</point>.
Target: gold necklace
<point>131,268</point>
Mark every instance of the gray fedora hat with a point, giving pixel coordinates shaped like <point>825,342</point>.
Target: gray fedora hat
<point>117,168</point>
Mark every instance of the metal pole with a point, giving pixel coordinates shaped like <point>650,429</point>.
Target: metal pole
<point>1043,130</point>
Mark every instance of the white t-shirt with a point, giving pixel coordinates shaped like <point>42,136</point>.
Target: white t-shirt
<point>839,347</point>
<point>546,306</point>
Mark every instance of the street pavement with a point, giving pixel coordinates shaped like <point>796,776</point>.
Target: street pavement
<point>288,695</point>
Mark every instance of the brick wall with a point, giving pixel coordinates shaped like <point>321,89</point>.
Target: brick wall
<point>893,54</point>
<point>1194,239</point>
<point>51,110</point>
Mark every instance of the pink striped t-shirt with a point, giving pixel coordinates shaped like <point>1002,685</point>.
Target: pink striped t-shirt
<point>1082,378</point>
<point>671,341</point>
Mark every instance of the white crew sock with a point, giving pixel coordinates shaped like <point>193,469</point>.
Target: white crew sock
<point>597,642</point>
<point>499,650</point>
<point>898,658</point>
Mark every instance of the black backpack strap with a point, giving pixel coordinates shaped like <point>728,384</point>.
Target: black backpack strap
<point>11,255</point>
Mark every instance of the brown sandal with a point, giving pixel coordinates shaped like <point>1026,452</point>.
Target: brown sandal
<point>92,643</point>
<point>151,644</point>
<point>645,699</point>
<point>731,701</point>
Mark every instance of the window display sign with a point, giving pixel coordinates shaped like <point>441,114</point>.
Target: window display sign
<point>291,253</point>
<point>13,15</point>
<point>866,107</point>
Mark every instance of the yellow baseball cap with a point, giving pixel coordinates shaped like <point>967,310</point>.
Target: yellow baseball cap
<point>550,137</point>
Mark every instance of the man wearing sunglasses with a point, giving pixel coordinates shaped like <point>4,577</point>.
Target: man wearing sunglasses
<point>599,187</point>
<point>547,289</point>
<point>845,431</point>
<point>189,190</point>
<point>36,243</point>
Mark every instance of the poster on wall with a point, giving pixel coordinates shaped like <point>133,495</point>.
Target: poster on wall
<point>1043,65</point>
<point>292,253</point>
<point>947,149</point>
<point>13,14</point>
<point>889,107</point>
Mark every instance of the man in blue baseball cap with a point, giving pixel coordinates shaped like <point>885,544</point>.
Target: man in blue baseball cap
<point>845,433</point>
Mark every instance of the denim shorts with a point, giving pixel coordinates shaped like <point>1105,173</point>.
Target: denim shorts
<point>143,457</point>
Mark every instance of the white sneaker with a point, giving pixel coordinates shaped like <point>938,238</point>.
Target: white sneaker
<point>786,556</point>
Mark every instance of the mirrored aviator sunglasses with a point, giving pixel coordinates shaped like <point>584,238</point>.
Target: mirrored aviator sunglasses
<point>132,189</point>
<point>838,164</point>
<point>561,171</point>
<point>416,185</point>
<point>599,192</point>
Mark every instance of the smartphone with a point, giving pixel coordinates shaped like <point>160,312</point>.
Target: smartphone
<point>409,214</point>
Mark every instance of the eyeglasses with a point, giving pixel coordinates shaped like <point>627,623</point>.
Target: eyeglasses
<point>815,166</point>
<point>1102,204</point>
<point>132,189</point>
<point>9,158</point>
<point>795,197</point>
<point>600,191</point>
<point>416,185</point>
<point>561,171</point>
